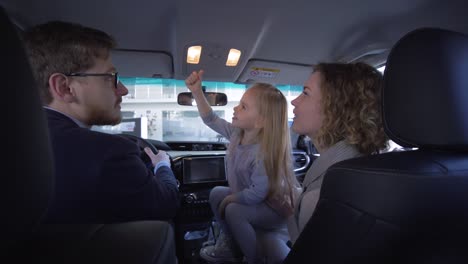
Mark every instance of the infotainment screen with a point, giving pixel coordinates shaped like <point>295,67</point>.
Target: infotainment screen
<point>203,169</point>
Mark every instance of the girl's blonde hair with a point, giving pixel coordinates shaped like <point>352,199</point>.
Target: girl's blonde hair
<point>275,141</point>
<point>351,102</point>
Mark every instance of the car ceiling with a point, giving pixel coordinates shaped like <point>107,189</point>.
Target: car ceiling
<point>282,33</point>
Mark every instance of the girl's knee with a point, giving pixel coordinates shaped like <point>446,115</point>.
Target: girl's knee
<point>217,194</point>
<point>219,191</point>
<point>234,212</point>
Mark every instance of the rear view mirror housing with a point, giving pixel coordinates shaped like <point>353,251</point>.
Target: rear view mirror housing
<point>213,98</point>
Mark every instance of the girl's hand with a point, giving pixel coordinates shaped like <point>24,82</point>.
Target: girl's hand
<point>194,81</point>
<point>222,206</point>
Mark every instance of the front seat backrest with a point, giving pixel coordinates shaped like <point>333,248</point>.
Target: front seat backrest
<point>412,206</point>
<point>27,164</point>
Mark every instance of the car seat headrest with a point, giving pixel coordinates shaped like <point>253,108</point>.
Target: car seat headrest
<point>425,93</point>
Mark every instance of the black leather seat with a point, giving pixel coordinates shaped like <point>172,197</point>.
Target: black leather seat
<point>412,206</point>
<point>27,186</point>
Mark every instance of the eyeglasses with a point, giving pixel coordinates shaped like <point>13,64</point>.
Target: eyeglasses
<point>114,75</point>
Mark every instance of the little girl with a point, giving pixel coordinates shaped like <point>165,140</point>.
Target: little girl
<point>262,185</point>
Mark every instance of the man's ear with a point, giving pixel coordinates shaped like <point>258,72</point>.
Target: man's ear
<point>60,89</point>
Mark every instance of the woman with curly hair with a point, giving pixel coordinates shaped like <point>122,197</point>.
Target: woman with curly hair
<point>339,109</point>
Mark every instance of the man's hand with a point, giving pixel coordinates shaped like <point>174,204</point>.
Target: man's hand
<point>157,158</point>
<point>194,81</point>
<point>222,206</point>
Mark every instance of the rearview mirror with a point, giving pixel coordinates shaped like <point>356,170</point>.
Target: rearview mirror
<point>213,98</point>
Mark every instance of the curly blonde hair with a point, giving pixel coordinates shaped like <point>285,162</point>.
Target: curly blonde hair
<point>351,100</point>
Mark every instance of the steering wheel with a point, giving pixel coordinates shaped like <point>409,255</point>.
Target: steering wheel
<point>142,143</point>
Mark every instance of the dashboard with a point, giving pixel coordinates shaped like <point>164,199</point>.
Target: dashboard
<point>200,166</point>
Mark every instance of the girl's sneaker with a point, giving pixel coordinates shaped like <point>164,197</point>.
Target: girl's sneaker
<point>210,242</point>
<point>223,251</point>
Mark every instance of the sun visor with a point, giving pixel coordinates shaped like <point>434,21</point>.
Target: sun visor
<point>275,72</point>
<point>130,63</point>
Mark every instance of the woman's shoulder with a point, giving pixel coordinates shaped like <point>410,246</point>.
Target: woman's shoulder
<point>342,150</point>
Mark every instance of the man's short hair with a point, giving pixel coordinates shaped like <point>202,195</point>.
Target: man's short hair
<point>63,47</point>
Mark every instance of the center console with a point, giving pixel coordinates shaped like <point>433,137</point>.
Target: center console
<point>197,174</point>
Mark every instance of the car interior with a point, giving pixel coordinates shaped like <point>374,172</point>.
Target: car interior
<point>407,205</point>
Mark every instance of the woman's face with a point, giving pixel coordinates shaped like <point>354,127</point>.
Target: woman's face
<point>308,114</point>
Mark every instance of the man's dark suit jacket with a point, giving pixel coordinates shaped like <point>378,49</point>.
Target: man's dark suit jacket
<point>100,178</point>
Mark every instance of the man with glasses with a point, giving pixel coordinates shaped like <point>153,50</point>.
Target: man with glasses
<point>99,178</point>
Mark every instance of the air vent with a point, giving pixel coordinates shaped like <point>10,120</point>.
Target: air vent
<point>196,146</point>
<point>301,161</point>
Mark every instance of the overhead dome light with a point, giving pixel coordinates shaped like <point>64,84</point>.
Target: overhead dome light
<point>233,57</point>
<point>193,54</point>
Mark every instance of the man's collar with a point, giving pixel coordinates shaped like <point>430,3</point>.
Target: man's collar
<point>78,122</point>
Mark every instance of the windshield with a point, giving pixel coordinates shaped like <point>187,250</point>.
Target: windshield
<point>150,109</point>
